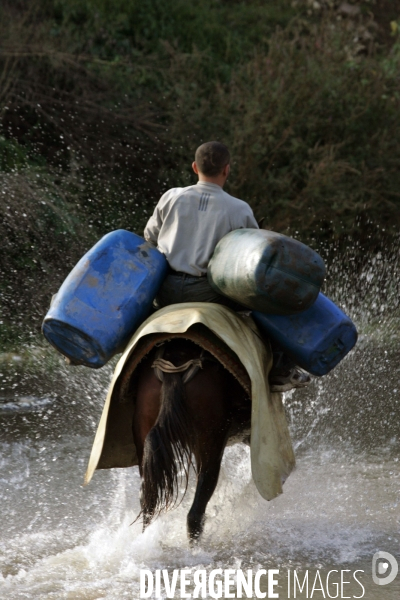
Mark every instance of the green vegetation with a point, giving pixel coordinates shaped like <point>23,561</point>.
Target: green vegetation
<point>103,102</point>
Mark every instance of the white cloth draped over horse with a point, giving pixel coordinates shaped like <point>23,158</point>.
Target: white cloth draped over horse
<point>272,457</point>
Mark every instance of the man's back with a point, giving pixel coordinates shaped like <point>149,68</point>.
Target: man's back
<point>188,223</point>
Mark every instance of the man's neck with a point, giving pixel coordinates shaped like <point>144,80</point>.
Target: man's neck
<point>220,180</point>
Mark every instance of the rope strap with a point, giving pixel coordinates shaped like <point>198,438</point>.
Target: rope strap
<point>191,367</point>
<point>167,367</point>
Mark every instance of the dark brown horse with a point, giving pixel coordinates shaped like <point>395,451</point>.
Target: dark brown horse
<point>180,423</point>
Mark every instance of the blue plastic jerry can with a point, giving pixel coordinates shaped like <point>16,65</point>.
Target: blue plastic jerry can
<point>317,339</point>
<point>105,298</point>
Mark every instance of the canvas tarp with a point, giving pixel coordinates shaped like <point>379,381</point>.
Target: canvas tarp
<point>272,457</point>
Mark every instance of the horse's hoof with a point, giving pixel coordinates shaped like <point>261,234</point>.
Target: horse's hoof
<point>195,528</point>
<point>194,542</point>
<point>194,536</point>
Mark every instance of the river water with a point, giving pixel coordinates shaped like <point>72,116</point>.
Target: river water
<point>63,541</point>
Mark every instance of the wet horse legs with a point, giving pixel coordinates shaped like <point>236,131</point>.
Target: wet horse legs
<point>195,419</point>
<point>213,419</point>
<point>207,480</point>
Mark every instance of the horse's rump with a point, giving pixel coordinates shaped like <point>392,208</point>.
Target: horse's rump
<point>200,335</point>
<point>121,413</point>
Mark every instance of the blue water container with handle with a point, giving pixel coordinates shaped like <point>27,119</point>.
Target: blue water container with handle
<point>105,298</point>
<point>317,339</point>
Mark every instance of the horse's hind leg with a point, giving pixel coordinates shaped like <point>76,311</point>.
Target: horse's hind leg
<point>208,472</point>
<point>209,399</point>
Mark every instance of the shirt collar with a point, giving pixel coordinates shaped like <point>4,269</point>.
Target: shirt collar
<point>212,186</point>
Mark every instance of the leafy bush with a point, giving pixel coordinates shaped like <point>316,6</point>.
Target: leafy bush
<point>107,101</point>
<point>313,127</point>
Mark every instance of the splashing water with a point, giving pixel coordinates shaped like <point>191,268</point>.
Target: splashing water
<point>340,505</point>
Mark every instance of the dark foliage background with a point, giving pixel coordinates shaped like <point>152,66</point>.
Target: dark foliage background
<point>103,102</point>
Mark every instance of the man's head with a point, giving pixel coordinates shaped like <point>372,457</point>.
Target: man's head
<point>212,162</point>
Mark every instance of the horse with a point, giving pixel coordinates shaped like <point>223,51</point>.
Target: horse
<point>187,407</point>
<point>193,378</point>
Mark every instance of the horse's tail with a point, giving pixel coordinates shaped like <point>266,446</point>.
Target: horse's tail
<point>167,450</point>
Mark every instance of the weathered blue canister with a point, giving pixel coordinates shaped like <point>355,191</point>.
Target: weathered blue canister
<point>317,339</point>
<point>266,271</point>
<point>105,298</point>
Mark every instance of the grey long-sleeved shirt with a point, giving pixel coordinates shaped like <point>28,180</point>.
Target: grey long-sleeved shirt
<point>187,224</point>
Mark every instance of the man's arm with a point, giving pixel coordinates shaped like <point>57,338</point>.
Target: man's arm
<point>152,229</point>
<point>251,222</point>
<point>244,218</point>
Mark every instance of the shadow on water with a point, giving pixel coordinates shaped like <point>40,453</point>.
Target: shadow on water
<point>340,505</point>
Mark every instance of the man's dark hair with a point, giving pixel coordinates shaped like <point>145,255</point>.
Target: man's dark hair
<point>211,158</point>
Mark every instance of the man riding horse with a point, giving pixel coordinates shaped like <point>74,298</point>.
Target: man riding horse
<point>165,422</point>
<point>186,226</point>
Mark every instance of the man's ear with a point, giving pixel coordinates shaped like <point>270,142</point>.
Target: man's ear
<point>226,170</point>
<point>194,167</point>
